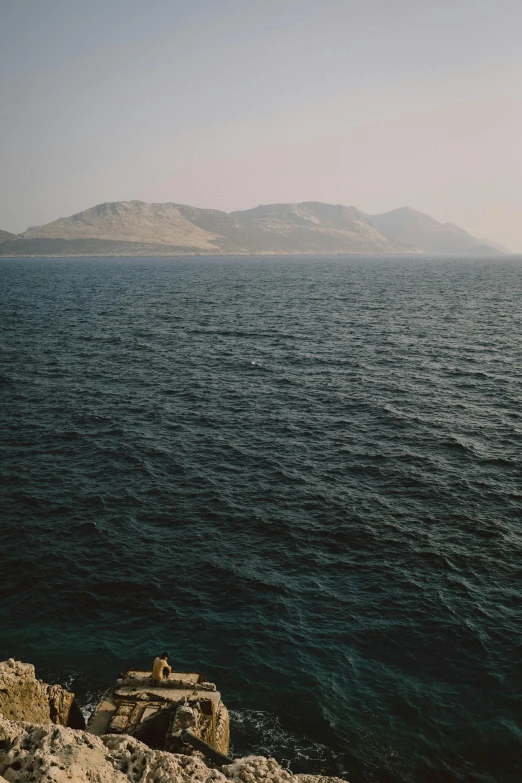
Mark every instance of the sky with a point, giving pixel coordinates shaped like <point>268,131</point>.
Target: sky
<point>227,104</point>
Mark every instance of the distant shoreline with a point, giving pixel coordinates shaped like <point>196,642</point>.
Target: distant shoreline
<point>136,228</point>
<point>418,255</point>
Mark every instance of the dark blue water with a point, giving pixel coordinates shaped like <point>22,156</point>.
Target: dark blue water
<point>302,477</point>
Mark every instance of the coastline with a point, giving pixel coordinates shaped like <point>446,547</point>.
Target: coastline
<point>38,744</point>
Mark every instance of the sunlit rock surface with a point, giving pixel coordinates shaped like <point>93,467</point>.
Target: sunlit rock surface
<point>30,753</point>
<point>23,697</point>
<point>36,745</point>
<point>156,713</point>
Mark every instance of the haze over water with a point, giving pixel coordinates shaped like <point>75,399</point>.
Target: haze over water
<point>300,476</point>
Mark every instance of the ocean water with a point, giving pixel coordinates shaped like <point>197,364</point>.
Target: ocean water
<point>299,476</point>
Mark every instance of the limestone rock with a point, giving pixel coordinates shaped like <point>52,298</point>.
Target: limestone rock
<point>222,730</point>
<point>60,702</point>
<point>254,769</point>
<point>33,750</point>
<point>318,779</point>
<point>157,712</point>
<point>32,753</point>
<point>53,754</point>
<point>23,697</point>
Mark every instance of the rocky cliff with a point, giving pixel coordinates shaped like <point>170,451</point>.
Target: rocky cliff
<point>32,753</point>
<point>33,750</point>
<point>23,697</point>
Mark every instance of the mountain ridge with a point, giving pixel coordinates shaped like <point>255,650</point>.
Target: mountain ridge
<point>310,227</point>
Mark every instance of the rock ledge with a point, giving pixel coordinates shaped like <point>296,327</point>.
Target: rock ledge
<point>36,746</point>
<point>31,753</point>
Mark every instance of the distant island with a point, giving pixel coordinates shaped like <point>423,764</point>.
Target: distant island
<point>135,228</point>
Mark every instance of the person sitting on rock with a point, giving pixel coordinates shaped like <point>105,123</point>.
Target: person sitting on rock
<point>160,667</point>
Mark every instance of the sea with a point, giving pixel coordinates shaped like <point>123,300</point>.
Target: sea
<point>300,476</point>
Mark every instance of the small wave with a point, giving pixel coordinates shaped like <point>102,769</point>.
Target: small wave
<point>457,444</point>
<point>500,461</point>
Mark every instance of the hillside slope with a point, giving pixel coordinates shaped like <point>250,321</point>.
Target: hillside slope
<point>313,227</point>
<point>419,230</point>
<point>128,221</point>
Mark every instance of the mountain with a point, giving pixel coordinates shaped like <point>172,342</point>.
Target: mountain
<point>5,236</point>
<point>428,235</point>
<point>135,228</point>
<point>313,227</point>
<point>128,221</point>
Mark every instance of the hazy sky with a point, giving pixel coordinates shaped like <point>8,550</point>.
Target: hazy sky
<point>232,103</point>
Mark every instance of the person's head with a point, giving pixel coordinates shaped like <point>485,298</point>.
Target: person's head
<point>164,656</point>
